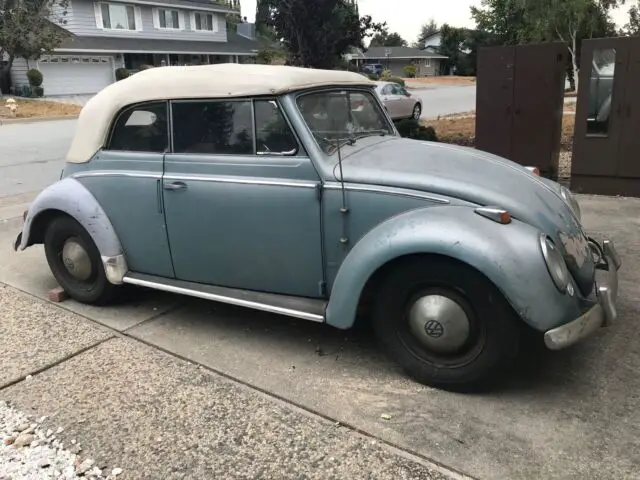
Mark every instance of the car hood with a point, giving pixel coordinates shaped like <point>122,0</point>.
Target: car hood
<point>478,177</point>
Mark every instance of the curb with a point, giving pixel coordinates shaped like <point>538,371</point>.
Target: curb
<point>10,121</point>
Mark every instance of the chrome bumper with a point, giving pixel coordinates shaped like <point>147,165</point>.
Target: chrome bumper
<point>603,314</point>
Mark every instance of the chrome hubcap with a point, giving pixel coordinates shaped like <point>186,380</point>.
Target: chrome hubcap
<point>416,112</point>
<point>439,323</point>
<point>76,260</point>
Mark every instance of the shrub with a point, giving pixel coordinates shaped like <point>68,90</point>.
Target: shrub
<point>410,128</point>
<point>386,74</point>
<point>121,74</point>
<point>23,91</point>
<point>145,67</point>
<point>35,77</point>
<point>38,91</point>
<point>410,71</point>
<point>395,80</point>
<point>374,77</point>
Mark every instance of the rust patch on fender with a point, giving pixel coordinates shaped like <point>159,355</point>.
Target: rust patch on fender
<point>576,247</point>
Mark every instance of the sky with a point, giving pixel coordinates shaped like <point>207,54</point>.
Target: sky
<point>406,16</point>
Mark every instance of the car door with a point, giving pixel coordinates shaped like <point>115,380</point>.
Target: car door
<point>241,199</point>
<point>405,102</point>
<point>390,100</point>
<point>125,178</point>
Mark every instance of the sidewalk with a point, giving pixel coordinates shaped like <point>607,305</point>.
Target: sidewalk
<point>134,407</point>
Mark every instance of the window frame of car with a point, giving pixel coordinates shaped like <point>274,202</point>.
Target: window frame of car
<point>132,108</point>
<point>298,151</point>
<point>365,90</point>
<point>389,89</point>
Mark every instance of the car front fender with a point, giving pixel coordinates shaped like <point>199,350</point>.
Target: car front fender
<point>508,255</point>
<point>70,197</point>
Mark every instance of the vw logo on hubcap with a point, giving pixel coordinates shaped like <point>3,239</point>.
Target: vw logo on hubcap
<point>434,329</point>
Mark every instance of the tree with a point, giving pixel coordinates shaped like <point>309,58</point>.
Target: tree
<point>386,39</point>
<point>504,20</point>
<point>31,28</point>
<point>633,26</point>
<point>426,30</point>
<point>569,21</point>
<point>452,46</point>
<point>316,34</point>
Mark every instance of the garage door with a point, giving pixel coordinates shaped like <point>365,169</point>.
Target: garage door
<point>75,75</point>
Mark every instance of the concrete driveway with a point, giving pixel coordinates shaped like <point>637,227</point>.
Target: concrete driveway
<point>571,414</point>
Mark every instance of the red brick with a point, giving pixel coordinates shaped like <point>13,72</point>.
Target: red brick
<point>57,295</point>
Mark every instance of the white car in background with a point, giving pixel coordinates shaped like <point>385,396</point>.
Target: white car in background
<point>398,101</point>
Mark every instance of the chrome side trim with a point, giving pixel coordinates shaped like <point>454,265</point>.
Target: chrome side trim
<point>226,299</point>
<point>245,181</point>
<point>401,192</point>
<point>116,174</point>
<point>200,178</point>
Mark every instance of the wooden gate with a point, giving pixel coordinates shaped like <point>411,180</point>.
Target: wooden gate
<point>519,103</point>
<point>607,136</point>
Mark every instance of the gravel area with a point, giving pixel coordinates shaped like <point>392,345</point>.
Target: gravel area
<point>564,167</point>
<point>29,452</point>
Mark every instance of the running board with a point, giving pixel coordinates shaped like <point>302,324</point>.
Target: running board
<point>298,307</point>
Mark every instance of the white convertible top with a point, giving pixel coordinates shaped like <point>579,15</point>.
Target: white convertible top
<point>203,81</point>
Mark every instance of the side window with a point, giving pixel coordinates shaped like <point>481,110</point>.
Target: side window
<point>387,90</point>
<point>213,127</point>
<point>273,135</point>
<point>397,89</point>
<point>141,128</point>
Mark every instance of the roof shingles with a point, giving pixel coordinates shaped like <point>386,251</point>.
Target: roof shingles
<point>400,52</point>
<point>235,45</point>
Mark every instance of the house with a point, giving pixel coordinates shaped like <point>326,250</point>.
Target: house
<point>427,62</point>
<point>433,41</point>
<point>106,35</point>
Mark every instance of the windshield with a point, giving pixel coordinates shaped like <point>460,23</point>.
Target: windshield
<point>336,117</point>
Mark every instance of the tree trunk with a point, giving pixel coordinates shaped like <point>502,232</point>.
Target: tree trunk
<point>574,61</point>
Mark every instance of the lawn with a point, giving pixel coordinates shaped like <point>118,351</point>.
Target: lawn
<point>37,108</point>
<point>461,130</point>
<point>440,80</point>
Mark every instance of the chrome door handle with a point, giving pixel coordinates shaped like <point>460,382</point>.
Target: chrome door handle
<point>174,186</point>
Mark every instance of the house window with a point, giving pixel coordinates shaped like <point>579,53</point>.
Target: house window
<point>427,62</point>
<point>169,19</point>
<point>118,17</point>
<point>205,22</point>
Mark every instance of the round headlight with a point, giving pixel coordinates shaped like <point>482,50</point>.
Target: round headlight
<point>555,263</point>
<point>571,201</point>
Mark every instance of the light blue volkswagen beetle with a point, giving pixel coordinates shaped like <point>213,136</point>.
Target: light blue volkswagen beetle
<point>289,190</point>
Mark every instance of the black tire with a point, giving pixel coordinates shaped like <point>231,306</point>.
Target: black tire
<point>95,289</point>
<point>417,111</point>
<point>493,334</point>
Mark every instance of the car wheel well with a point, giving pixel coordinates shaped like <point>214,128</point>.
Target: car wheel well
<point>40,223</point>
<point>372,286</point>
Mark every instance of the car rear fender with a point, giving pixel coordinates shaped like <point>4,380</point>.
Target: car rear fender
<point>70,197</point>
<point>508,255</point>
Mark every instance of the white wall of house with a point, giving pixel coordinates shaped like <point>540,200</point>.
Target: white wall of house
<point>425,67</point>
<point>84,18</point>
<point>433,41</point>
